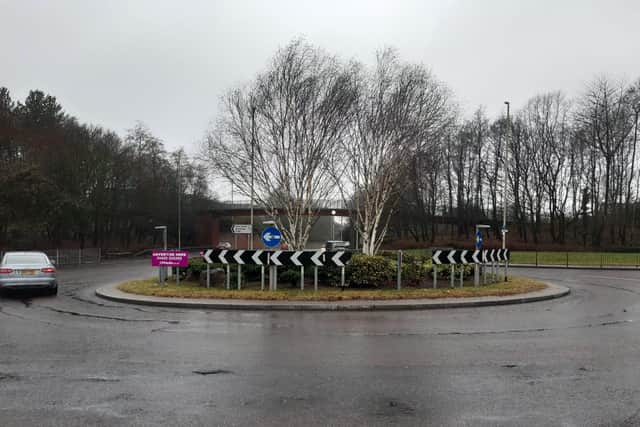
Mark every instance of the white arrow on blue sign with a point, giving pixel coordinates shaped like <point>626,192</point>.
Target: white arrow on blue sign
<point>479,240</point>
<point>271,237</point>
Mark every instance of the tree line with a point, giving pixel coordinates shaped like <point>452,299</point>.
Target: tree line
<point>391,142</point>
<point>67,184</point>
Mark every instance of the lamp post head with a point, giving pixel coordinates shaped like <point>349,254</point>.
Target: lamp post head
<point>160,227</point>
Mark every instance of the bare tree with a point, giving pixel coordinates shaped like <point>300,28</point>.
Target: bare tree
<point>287,124</point>
<point>606,119</point>
<point>400,108</point>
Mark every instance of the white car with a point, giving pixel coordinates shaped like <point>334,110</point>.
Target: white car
<point>28,270</point>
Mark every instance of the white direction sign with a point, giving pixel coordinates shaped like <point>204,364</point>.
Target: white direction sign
<point>241,228</point>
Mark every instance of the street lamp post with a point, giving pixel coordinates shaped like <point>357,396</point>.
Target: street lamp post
<point>179,184</point>
<point>504,186</point>
<point>253,144</point>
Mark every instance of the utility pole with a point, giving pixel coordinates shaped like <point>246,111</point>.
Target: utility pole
<point>179,185</point>
<point>253,145</point>
<point>504,186</point>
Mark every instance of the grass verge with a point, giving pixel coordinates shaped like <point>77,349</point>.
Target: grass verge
<point>149,287</point>
<point>564,258</point>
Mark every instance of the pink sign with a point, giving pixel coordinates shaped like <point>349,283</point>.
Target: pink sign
<point>170,259</point>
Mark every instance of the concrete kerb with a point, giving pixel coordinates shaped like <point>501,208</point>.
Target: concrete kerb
<point>111,293</point>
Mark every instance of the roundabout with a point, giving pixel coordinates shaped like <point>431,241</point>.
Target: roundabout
<point>78,359</point>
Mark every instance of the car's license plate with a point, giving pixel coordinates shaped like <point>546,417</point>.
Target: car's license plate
<point>28,272</point>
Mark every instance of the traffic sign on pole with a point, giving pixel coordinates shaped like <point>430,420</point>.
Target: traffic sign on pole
<point>241,228</point>
<point>271,237</point>
<point>479,240</point>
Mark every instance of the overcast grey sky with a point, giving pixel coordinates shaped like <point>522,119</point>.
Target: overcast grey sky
<point>167,62</point>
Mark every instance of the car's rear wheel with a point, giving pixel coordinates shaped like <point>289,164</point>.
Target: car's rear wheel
<point>52,291</point>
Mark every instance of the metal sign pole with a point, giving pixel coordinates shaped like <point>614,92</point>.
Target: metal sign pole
<point>208,276</point>
<point>228,276</point>
<point>315,278</point>
<point>435,276</point>
<point>453,274</point>
<point>461,275</point>
<point>399,276</point>
<point>342,277</point>
<point>302,277</point>
<point>484,274</point>
<point>262,277</point>
<point>239,275</point>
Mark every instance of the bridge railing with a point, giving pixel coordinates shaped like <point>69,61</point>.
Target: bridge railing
<point>321,204</point>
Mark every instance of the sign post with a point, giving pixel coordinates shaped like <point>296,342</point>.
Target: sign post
<point>164,259</point>
<point>476,271</point>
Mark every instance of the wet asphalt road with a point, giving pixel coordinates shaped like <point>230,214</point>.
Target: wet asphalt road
<point>76,360</point>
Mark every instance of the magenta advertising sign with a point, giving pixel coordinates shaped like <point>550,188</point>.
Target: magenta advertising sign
<point>170,259</point>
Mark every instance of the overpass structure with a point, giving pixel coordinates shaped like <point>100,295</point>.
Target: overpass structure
<point>209,232</point>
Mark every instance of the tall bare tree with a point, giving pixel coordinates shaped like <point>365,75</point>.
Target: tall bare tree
<point>400,108</point>
<point>288,124</point>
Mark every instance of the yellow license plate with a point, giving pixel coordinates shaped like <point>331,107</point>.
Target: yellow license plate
<point>28,272</point>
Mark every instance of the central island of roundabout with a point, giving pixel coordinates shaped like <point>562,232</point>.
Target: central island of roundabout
<point>370,285</point>
<point>188,295</point>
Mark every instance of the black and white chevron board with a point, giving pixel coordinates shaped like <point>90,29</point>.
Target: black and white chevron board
<point>463,256</point>
<point>277,258</point>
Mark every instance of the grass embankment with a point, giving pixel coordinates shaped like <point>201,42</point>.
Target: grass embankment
<point>149,287</point>
<point>587,259</point>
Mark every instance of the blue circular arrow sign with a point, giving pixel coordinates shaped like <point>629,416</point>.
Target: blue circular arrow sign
<point>271,237</point>
<point>479,240</point>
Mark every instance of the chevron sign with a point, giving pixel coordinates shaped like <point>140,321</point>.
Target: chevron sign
<point>288,258</point>
<point>463,256</point>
